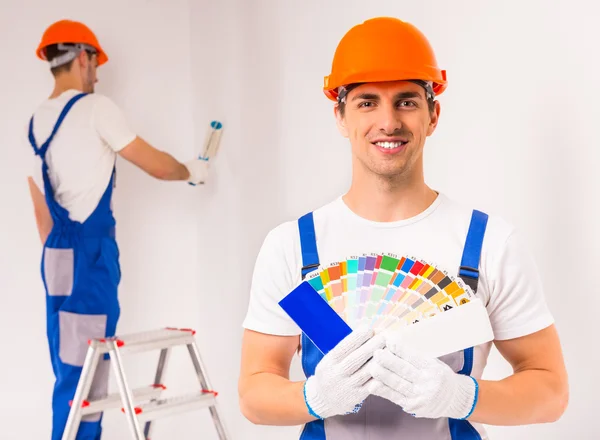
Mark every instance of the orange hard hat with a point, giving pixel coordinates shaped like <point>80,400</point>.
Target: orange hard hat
<point>70,32</point>
<point>383,49</point>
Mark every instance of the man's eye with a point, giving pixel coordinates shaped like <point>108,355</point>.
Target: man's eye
<point>366,104</point>
<point>407,104</point>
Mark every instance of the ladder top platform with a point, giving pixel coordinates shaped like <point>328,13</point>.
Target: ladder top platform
<point>144,341</point>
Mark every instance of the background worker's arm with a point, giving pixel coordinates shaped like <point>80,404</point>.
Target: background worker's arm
<point>43,218</point>
<point>266,394</point>
<point>538,390</point>
<point>156,163</point>
<point>111,125</point>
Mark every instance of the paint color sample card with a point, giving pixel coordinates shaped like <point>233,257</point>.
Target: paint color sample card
<point>315,317</point>
<point>458,329</point>
<point>383,291</point>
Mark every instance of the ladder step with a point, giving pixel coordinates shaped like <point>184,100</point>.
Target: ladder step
<point>114,400</point>
<point>174,405</point>
<point>144,341</point>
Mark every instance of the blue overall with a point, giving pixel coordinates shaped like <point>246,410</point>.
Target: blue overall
<point>379,418</point>
<point>81,273</point>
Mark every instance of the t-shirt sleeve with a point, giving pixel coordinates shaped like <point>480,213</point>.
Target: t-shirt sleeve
<point>273,278</point>
<point>110,123</point>
<point>517,305</point>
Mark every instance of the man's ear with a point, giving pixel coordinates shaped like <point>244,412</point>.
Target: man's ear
<point>340,121</point>
<point>434,118</point>
<point>83,59</point>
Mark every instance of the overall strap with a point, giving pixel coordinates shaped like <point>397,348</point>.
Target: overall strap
<point>469,272</point>
<point>41,151</point>
<point>469,265</point>
<point>311,356</point>
<point>308,244</point>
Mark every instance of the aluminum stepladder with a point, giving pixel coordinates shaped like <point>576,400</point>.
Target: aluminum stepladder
<point>142,405</point>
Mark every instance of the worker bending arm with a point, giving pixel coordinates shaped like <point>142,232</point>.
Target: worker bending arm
<point>156,163</point>
<point>340,382</point>
<point>267,396</point>
<point>113,128</point>
<point>339,386</point>
<point>536,392</point>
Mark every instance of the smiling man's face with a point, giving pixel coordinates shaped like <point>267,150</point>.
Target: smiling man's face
<point>387,124</point>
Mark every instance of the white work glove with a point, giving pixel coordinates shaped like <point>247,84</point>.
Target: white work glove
<point>198,169</point>
<point>340,383</point>
<point>423,387</point>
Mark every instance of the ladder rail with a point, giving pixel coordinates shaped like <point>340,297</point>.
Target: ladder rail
<point>126,397</point>
<point>206,385</point>
<point>88,371</point>
<point>163,360</point>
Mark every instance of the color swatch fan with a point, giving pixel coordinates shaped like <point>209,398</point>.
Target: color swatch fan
<point>382,291</point>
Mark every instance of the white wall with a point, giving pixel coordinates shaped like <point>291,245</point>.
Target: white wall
<point>231,86</point>
<point>517,123</point>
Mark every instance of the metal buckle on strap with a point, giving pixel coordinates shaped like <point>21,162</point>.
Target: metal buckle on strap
<point>470,269</point>
<point>307,267</point>
<point>469,280</point>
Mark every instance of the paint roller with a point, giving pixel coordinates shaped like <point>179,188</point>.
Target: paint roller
<point>213,138</point>
<point>211,142</point>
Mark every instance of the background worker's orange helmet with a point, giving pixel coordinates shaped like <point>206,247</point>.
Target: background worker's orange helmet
<point>70,32</point>
<point>383,49</point>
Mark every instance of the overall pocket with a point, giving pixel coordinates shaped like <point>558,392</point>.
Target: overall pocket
<point>59,267</point>
<point>75,329</point>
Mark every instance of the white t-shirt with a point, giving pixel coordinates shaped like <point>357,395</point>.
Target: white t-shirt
<point>509,284</point>
<point>82,155</point>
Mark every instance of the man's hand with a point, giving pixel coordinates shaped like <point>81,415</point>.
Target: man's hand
<point>341,380</point>
<point>422,386</point>
<point>198,169</point>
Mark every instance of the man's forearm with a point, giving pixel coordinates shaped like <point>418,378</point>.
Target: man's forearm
<point>269,399</point>
<point>159,164</point>
<point>526,397</point>
<point>171,169</point>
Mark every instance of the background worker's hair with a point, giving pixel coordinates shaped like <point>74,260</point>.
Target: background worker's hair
<point>52,52</point>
